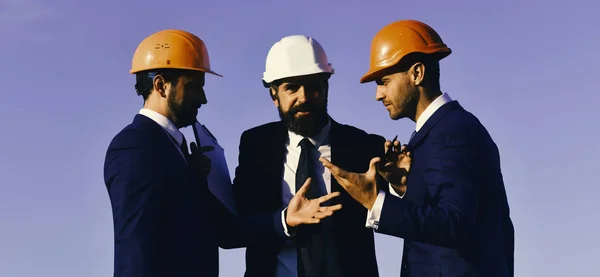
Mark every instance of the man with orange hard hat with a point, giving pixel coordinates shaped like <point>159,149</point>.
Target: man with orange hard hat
<point>166,220</point>
<point>454,214</point>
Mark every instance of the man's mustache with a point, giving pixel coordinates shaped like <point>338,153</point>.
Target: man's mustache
<point>302,108</point>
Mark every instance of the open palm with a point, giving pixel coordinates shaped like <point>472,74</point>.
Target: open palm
<point>302,210</point>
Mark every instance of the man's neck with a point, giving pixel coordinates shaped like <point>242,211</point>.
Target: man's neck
<point>424,101</point>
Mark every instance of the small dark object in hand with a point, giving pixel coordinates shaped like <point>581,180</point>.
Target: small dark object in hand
<point>390,151</point>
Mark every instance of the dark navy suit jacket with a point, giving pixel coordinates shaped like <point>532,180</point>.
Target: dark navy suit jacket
<point>454,216</point>
<point>262,155</point>
<point>166,223</point>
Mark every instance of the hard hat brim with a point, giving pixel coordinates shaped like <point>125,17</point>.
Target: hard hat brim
<point>132,71</point>
<point>375,73</point>
<point>269,78</point>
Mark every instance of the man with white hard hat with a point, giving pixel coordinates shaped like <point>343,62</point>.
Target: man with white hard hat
<point>284,153</point>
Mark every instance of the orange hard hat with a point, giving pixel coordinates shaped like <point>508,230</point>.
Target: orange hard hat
<point>396,40</point>
<point>173,49</point>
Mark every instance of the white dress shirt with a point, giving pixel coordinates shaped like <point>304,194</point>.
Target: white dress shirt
<point>374,214</point>
<point>287,258</point>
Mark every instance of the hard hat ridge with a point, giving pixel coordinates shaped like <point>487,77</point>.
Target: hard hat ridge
<point>398,40</point>
<point>171,49</point>
<point>295,55</point>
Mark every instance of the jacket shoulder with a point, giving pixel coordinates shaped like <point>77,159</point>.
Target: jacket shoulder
<point>355,132</point>
<point>263,130</point>
<point>461,121</point>
<point>129,136</point>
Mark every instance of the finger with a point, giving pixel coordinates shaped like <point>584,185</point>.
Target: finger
<point>385,168</point>
<point>386,145</point>
<point>310,220</point>
<point>334,170</point>
<point>374,162</point>
<point>304,188</point>
<point>403,149</point>
<point>397,147</point>
<point>326,213</point>
<point>313,221</point>
<point>205,149</point>
<point>327,197</point>
<point>330,208</point>
<point>404,159</point>
<point>193,147</point>
<point>321,215</point>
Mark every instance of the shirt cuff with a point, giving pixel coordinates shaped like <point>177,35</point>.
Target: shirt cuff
<point>375,213</point>
<point>285,227</point>
<point>393,192</point>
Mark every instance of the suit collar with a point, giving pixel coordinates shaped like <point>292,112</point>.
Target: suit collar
<point>433,120</point>
<point>146,122</point>
<point>433,106</point>
<point>165,123</point>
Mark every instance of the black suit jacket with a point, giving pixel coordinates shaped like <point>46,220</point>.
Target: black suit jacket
<point>454,217</point>
<point>166,222</point>
<point>258,188</point>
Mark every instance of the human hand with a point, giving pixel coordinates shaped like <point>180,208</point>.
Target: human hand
<point>396,168</point>
<point>361,186</point>
<point>200,162</point>
<point>301,210</point>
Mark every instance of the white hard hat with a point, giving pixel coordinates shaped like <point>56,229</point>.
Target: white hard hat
<point>295,56</point>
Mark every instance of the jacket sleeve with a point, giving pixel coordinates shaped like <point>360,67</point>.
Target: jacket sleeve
<point>236,231</point>
<point>248,227</point>
<point>447,216</point>
<point>135,188</point>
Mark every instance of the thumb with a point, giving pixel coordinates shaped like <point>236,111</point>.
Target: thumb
<point>304,188</point>
<point>374,162</point>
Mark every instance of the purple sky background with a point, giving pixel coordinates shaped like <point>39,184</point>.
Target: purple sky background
<point>527,69</point>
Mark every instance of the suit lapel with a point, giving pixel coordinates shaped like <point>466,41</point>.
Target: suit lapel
<point>340,154</point>
<point>432,121</point>
<point>164,138</point>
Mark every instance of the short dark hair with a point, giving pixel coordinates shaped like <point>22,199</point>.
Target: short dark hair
<point>144,81</point>
<point>432,67</point>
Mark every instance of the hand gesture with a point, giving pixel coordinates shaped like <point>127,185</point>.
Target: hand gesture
<point>301,210</point>
<point>361,186</point>
<point>396,168</point>
<point>199,162</point>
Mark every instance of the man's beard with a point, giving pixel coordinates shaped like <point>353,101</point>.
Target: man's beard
<point>183,119</point>
<point>307,125</point>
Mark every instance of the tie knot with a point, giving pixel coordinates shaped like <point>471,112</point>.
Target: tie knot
<point>305,144</point>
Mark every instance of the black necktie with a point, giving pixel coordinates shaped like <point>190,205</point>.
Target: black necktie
<point>310,247</point>
<point>184,149</point>
<point>306,168</point>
